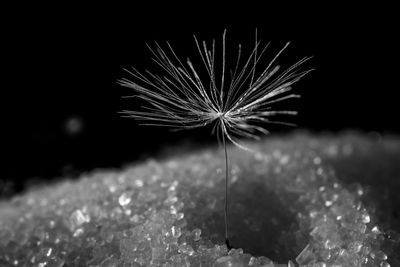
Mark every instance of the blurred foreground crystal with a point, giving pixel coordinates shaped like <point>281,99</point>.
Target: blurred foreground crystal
<point>300,200</point>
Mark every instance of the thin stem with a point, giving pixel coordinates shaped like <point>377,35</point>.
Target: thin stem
<point>226,193</point>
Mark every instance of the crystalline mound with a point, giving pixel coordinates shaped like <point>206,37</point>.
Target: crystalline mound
<point>299,200</point>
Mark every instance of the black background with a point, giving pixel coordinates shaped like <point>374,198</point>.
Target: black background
<point>62,63</point>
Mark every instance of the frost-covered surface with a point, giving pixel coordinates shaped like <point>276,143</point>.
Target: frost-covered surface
<point>301,200</point>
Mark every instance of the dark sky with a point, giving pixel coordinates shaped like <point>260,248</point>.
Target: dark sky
<point>60,96</point>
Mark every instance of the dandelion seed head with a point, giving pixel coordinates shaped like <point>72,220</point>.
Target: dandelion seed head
<point>238,104</point>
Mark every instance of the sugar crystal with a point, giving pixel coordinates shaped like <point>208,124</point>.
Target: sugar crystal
<point>124,199</point>
<point>312,199</point>
<point>77,218</point>
<point>196,234</point>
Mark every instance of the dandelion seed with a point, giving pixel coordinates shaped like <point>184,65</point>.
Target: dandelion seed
<point>184,99</point>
